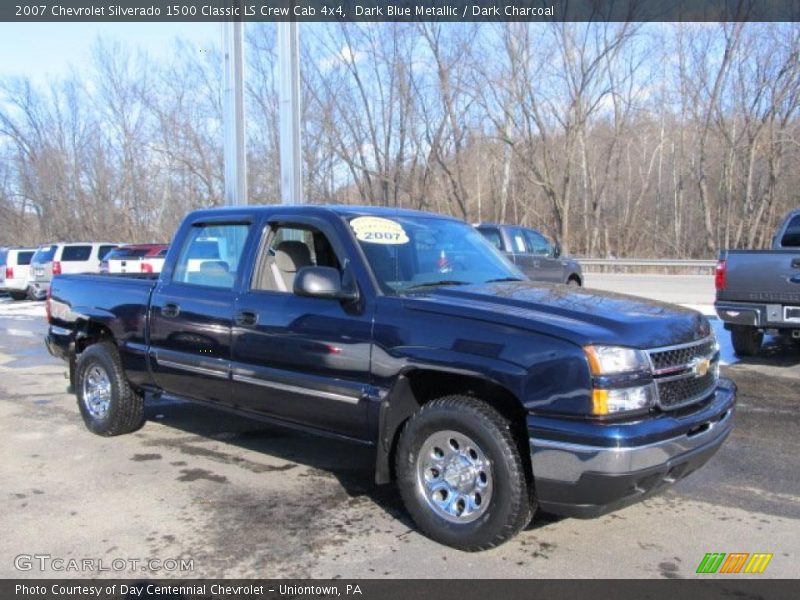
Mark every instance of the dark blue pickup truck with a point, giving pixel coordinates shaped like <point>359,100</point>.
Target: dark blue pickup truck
<point>484,395</point>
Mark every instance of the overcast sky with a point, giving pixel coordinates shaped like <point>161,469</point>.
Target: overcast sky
<point>48,49</point>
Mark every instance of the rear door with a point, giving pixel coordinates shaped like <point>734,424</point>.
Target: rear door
<point>521,253</point>
<point>191,312</point>
<point>302,359</point>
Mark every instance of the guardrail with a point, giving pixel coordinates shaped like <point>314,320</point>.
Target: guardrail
<point>648,265</point>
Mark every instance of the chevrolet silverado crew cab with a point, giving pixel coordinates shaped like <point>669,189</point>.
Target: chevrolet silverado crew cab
<point>483,394</point>
<point>759,290</point>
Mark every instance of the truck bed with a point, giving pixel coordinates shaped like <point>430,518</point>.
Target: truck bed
<point>762,276</point>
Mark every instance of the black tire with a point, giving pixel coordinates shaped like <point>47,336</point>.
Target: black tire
<point>574,282</point>
<point>125,411</point>
<point>18,295</point>
<point>746,340</point>
<point>511,504</point>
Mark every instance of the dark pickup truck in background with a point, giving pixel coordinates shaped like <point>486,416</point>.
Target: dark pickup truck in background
<point>533,253</point>
<point>482,394</point>
<point>758,291</point>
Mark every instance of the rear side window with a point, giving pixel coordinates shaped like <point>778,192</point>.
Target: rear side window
<point>44,254</point>
<point>103,252</point>
<point>791,237</point>
<point>210,255</point>
<point>76,253</point>
<point>24,257</point>
<point>493,235</point>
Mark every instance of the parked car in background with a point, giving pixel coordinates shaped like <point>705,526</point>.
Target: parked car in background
<point>131,258</point>
<point>67,258</point>
<point>533,253</point>
<point>758,291</point>
<point>15,271</point>
<point>154,264</point>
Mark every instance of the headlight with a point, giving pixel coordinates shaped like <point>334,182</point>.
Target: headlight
<point>609,402</point>
<point>611,360</point>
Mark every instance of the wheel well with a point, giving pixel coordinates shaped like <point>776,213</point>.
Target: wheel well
<point>423,385</point>
<point>91,333</point>
<point>575,277</point>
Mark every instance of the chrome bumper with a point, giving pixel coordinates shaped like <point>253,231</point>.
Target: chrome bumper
<point>567,462</point>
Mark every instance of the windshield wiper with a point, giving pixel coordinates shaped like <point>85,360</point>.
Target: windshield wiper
<point>502,279</point>
<point>435,283</point>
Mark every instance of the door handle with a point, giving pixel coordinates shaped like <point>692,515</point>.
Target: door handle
<point>245,318</point>
<point>796,263</point>
<point>170,310</point>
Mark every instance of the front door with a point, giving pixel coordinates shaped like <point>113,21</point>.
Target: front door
<point>547,266</point>
<point>303,359</point>
<point>192,311</point>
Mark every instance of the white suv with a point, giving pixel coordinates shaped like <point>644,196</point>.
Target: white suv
<point>55,259</point>
<point>15,271</point>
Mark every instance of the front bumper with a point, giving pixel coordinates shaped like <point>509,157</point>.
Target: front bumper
<point>626,463</point>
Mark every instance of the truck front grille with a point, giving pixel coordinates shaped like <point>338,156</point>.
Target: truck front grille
<point>676,358</point>
<point>685,374</point>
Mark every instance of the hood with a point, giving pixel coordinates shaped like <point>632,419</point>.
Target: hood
<point>576,314</point>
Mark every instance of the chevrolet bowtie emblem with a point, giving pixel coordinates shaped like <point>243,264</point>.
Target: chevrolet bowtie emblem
<point>700,366</point>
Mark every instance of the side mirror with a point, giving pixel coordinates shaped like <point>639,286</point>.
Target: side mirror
<point>322,282</point>
<point>556,250</point>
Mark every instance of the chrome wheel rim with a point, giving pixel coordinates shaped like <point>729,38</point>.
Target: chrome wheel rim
<point>97,391</point>
<point>454,476</point>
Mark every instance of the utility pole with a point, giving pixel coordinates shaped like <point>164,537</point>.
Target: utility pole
<point>289,113</point>
<point>233,113</point>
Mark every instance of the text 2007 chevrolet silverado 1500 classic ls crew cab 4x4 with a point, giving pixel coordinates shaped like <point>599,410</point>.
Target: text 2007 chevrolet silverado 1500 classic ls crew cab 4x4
<point>484,394</point>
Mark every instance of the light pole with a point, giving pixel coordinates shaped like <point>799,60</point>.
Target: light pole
<point>233,113</point>
<point>289,91</point>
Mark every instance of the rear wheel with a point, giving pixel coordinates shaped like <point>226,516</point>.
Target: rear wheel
<point>461,476</point>
<point>108,405</point>
<point>746,340</point>
<point>18,295</point>
<point>573,282</point>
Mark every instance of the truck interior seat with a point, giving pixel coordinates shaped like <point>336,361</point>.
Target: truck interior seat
<point>290,257</point>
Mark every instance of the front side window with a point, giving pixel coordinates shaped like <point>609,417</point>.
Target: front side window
<point>211,255</point>
<point>791,237</point>
<point>290,248</point>
<point>538,243</point>
<point>412,253</point>
<point>76,253</point>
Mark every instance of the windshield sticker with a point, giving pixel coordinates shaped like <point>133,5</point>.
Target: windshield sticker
<point>376,230</point>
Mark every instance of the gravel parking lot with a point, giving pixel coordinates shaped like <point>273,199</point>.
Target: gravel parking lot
<point>242,499</point>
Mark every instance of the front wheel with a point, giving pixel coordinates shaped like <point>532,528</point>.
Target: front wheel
<point>746,340</point>
<point>461,476</point>
<point>108,405</point>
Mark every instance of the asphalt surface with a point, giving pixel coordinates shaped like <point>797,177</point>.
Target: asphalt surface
<point>242,499</point>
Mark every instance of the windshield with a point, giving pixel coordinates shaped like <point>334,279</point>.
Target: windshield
<point>44,254</point>
<point>407,253</point>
